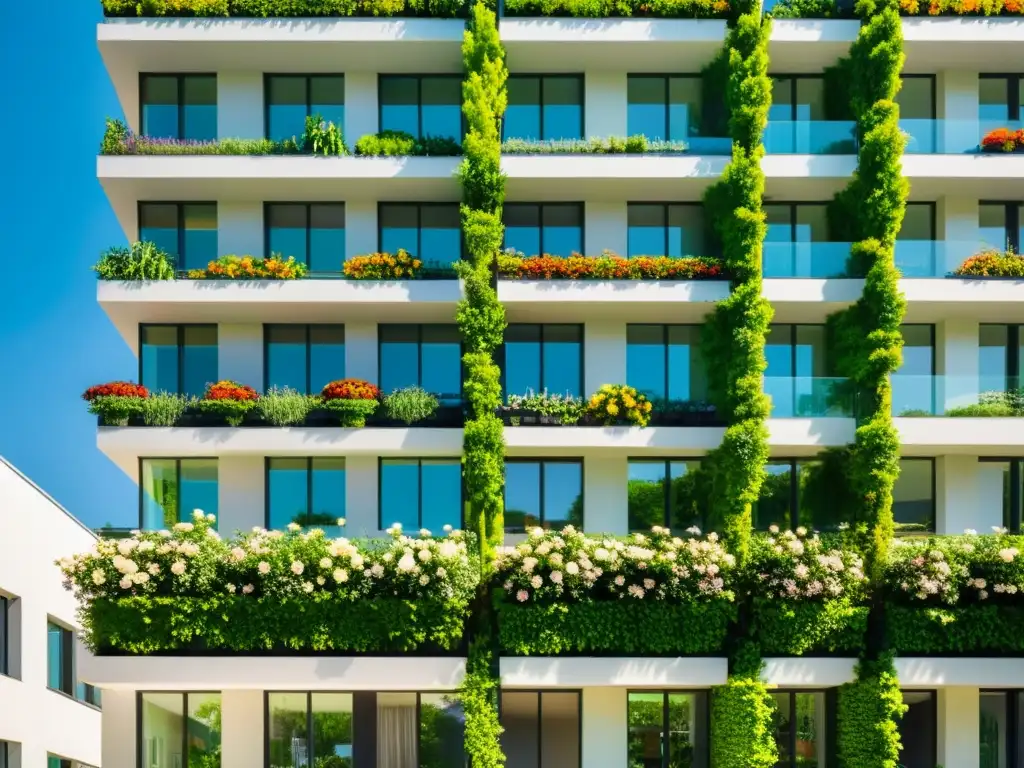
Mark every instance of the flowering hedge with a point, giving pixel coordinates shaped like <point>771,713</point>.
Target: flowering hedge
<point>250,268</point>
<point>115,389</point>
<point>958,594</point>
<point>806,595</point>
<point>187,589</point>
<point>618,404</point>
<point>1003,140</point>
<point>228,399</point>
<point>961,7</point>
<point>564,591</point>
<point>608,266</point>
<point>614,145</point>
<point>383,266</point>
<point>992,263</point>
<point>668,9</point>
<point>116,402</point>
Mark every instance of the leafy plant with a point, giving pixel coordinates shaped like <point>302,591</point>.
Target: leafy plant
<point>607,266</point>
<point>565,408</point>
<point>400,143</point>
<point>285,407</point>
<point>630,145</point>
<point>164,409</point>
<point>141,261</point>
<point>228,400</point>
<point>807,9</point>
<point>119,140</point>
<point>681,9</point>
<point>352,413</point>
<point>383,266</point>
<point>992,263</point>
<point>251,268</point>
<point>410,405</point>
<point>116,410</point>
<point>114,137</point>
<point>619,404</point>
<point>285,8</point>
<point>322,137</point>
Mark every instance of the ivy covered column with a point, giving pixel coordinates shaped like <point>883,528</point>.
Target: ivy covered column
<point>868,344</point>
<point>741,735</point>
<point>481,320</point>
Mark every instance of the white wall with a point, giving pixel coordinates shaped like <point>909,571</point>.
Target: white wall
<point>34,532</point>
<point>604,727</point>
<point>241,729</point>
<point>361,106</point>
<point>959,730</point>
<point>604,354</point>
<point>956,223</point>
<point>957,106</point>
<point>240,228</point>
<point>605,494</point>
<point>240,353</point>
<point>604,104</point>
<point>240,493</point>
<point>361,351</point>
<point>956,361</point>
<point>240,105</point>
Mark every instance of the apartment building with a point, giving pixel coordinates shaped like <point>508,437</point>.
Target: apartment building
<point>569,79</point>
<point>48,714</point>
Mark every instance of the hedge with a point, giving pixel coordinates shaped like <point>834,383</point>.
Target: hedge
<point>969,630</point>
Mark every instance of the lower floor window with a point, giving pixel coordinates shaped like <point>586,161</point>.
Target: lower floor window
<point>172,489</point>
<point>918,730</point>
<point>180,730</point>
<point>799,724</point>
<point>307,492</point>
<point>52,761</point>
<point>90,694</point>
<point>421,493</point>
<point>543,492</point>
<point>542,729</point>
<point>401,730</point>
<point>668,729</point>
<point>1000,727</point>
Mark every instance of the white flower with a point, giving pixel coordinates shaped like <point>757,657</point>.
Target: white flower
<point>801,571</point>
<point>536,582</point>
<point>773,529</point>
<point>1000,530</point>
<point>648,583</point>
<point>189,549</point>
<point>447,528</point>
<point>230,588</point>
<point>635,590</point>
<point>620,580</point>
<point>556,577</point>
<point>357,561</point>
<point>341,522</point>
<point>326,563</point>
<point>178,567</point>
<point>126,583</point>
<point>693,530</point>
<point>198,514</point>
<point>125,546</point>
<point>238,553</point>
<point>1008,554</point>
<point>146,546</point>
<point>340,575</point>
<point>294,527</point>
<point>98,577</point>
<point>247,589</point>
<point>801,531</point>
<point>425,533</point>
<point>522,595</point>
<point>153,569</point>
<point>983,595</point>
<point>396,527</point>
<point>183,527</point>
<point>971,531</point>
<point>298,568</point>
<point>406,563</point>
<point>536,532</point>
<point>448,549</point>
<point>307,587</point>
<point>211,518</point>
<point>441,573</point>
<point>377,570</point>
<point>424,555</point>
<point>571,568</point>
<point>263,567</point>
<point>424,580</point>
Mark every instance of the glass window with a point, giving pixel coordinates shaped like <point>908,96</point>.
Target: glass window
<point>665,229</point>
<point>918,730</point>
<point>913,496</point>
<point>88,693</point>
<point>428,356</point>
<point>541,729</point>
<point>59,672</point>
<point>179,106</point>
<point>5,760</point>
<point>547,107</point>
<point>1000,99</point>
<point>442,731</point>
<point>554,228</point>
<point>799,724</point>
<point>1001,486</point>
<point>798,98</point>
<point>794,378</point>
<point>303,357</point>
<point>5,629</point>
<point>664,362</point>
<point>288,734</point>
<point>292,98</point>
<point>543,357</point>
<point>421,493</point>
<point>913,385</point>
<point>666,492</point>
<point>314,233</point>
<point>429,231</point>
<point>916,97</point>
<point>170,490</point>
<point>545,493</point>
<point>1001,718</point>
<point>186,231</point>
<point>994,349</point>
<point>180,729</point>
<point>1001,225</point>
<point>663,107</point>
<point>306,491</point>
<point>802,485</point>
<point>667,730</point>
<point>422,105</point>
<point>52,761</point>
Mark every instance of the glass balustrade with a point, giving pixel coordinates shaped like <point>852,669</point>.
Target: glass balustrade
<point>809,396</point>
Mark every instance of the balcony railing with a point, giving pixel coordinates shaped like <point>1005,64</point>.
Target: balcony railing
<point>810,396</point>
<point>914,258</point>
<point>957,396</point>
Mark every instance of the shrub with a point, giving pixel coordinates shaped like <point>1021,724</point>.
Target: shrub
<point>410,405</point>
<point>607,266</point>
<point>251,268</point>
<point>352,400</point>
<point>164,409</point>
<point>285,407</point>
<point>352,413</point>
<point>350,389</point>
<point>115,388</point>
<point>114,137</point>
<point>322,137</point>
<point>631,145</point>
<point>1002,140</point>
<point>992,404</point>
<point>116,410</point>
<point>807,9</point>
<point>681,9</point>
<point>400,143</point>
<point>565,408</point>
<point>619,404</point>
<point>383,266</point>
<point>141,261</point>
<point>229,400</point>
<point>118,140</point>
<point>992,263</point>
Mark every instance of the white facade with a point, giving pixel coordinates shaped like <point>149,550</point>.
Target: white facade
<point>36,721</point>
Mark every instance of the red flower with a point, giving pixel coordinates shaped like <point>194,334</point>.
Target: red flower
<point>1000,140</point>
<point>120,388</point>
<point>350,389</point>
<point>230,390</point>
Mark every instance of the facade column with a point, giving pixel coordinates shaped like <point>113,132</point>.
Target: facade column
<point>362,497</point>
<point>956,225</point>
<point>605,727</point>
<point>118,726</point>
<point>240,229</point>
<point>361,110</point>
<point>605,104</point>
<point>957,107</point>
<point>241,728</point>
<point>361,351</point>
<point>956,362</point>
<point>605,494</point>
<point>240,493</point>
<point>604,354</point>
<point>240,353</point>
<point>605,228</point>
<point>240,105</point>
<point>360,227</point>
<point>959,734</point>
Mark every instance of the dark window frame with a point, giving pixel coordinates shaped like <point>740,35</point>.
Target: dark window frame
<point>179,206</point>
<point>666,736</point>
<point>794,491</point>
<point>419,101</point>
<point>307,328</point>
<point>663,327</point>
<point>666,462</point>
<point>139,730</point>
<point>1016,497</point>
<point>827,726</point>
<point>67,659</point>
<point>177,478</point>
<point>543,461</point>
<point>180,346</point>
<point>308,78</point>
<point>540,717</point>
<point>180,77</point>
<point>540,366</point>
<point>307,209</point>
<point>934,499</point>
<point>5,635</point>
<point>1013,90</point>
<point>1012,703</point>
<point>1013,339</point>
<point>309,484</point>
<point>934,701</point>
<point>1012,221</point>
<point>665,207</point>
<point>580,205</point>
<point>419,472</point>
<point>666,77</point>
<point>419,226</point>
<point>541,78</point>
<point>419,353</point>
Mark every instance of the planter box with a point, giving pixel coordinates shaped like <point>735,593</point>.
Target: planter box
<point>973,630</point>
<point>615,628</point>
<point>446,416</point>
<point>796,629</point>
<point>522,417</point>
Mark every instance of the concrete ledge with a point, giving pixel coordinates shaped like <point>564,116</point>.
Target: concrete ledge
<point>928,436</point>
<point>638,672</point>
<point>803,672</point>
<point>920,672</point>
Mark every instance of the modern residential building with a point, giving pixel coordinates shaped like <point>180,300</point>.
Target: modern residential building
<point>48,714</point>
<point>569,79</point>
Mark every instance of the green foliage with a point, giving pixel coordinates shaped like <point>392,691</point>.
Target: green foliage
<point>681,9</point>
<point>114,137</point>
<point>807,9</point>
<point>285,8</point>
<point>480,702</point>
<point>118,140</point>
<point>164,409</point>
<point>410,405</point>
<point>795,629</point>
<point>741,723</point>
<point>992,263</point>
<point>969,630</point>
<point>285,407</point>
<point>232,411</point>
<point>116,410</point>
<point>400,143</point>
<point>351,413</point>
<point>867,734</point>
<point>623,627</point>
<point>322,137</point>
<point>613,145</point>
<point>142,261</point>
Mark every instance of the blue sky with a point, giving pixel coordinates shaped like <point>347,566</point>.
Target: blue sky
<point>54,339</point>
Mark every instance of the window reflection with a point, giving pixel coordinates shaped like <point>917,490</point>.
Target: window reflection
<point>913,384</point>
<point>292,98</point>
<point>541,729</point>
<point>665,229</point>
<point>421,493</point>
<point>304,357</point>
<point>173,723</point>
<point>543,357</point>
<point>545,493</point>
<point>312,233</point>
<point>547,107</point>
<point>1001,225</point>
<point>799,723</point>
<point>913,496</point>
<point>664,362</point>
<point>186,231</point>
<point>918,730</point>
<point>429,231</point>
<point>180,359</point>
<point>1000,99</point>
<point>663,107</point>
<point>795,378</point>
<point>673,493</point>
<point>422,105</point>
<point>307,491</point>
<point>427,356</point>
<point>553,228</point>
<point>179,106</point>
<point>172,489</point>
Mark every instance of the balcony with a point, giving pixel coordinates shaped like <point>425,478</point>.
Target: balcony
<point>810,397</point>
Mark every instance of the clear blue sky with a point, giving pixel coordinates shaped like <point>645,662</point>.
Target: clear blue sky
<point>54,339</point>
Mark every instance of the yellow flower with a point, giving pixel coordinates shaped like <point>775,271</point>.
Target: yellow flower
<point>613,409</point>
<point>647,407</point>
<point>598,398</point>
<point>628,401</point>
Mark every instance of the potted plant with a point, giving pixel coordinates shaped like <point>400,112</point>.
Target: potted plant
<point>619,405</point>
<point>409,405</point>
<point>351,400</point>
<point>116,402</point>
<point>228,400</point>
